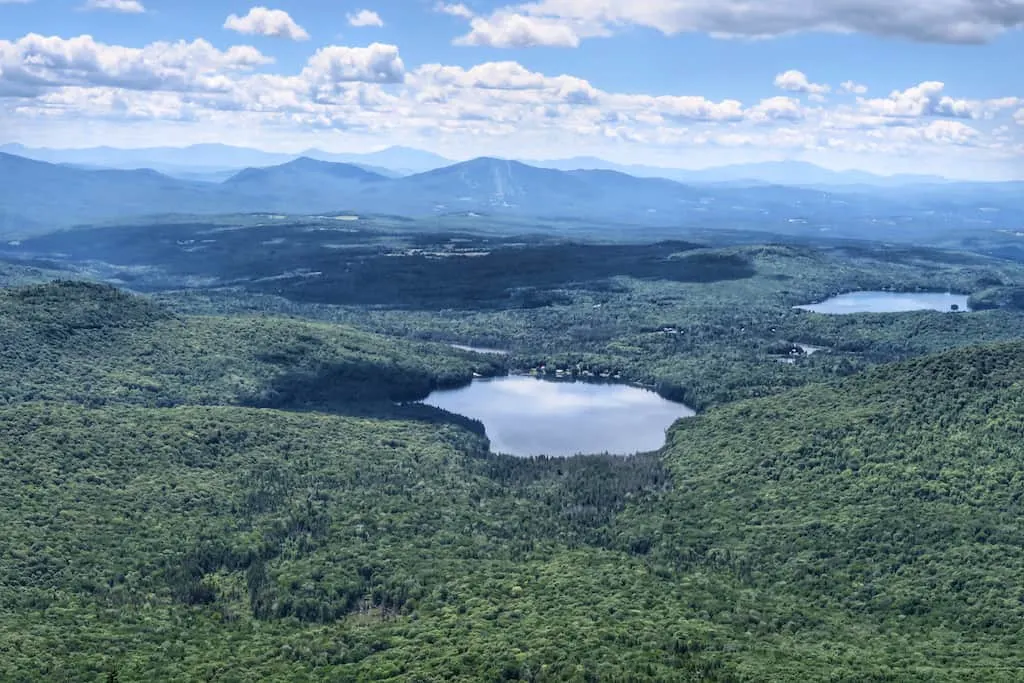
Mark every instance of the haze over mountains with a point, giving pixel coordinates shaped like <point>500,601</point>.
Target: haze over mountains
<point>37,196</point>
<point>211,158</point>
<point>211,161</point>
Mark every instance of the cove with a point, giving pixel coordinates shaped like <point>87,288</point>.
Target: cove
<point>887,302</point>
<point>526,416</point>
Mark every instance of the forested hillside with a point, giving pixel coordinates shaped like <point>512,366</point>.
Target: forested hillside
<point>863,529</point>
<point>95,345</point>
<point>892,499</point>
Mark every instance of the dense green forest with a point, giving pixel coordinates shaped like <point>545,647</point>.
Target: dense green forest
<point>238,498</point>
<point>703,325</point>
<point>94,344</point>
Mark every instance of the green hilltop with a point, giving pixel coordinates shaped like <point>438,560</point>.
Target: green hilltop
<point>95,345</point>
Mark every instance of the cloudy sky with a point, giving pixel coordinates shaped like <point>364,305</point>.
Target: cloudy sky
<point>883,85</point>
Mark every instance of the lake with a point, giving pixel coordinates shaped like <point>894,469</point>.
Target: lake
<point>527,416</point>
<point>479,349</point>
<point>887,302</point>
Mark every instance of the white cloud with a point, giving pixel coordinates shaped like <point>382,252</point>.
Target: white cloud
<point>365,17</point>
<point>940,132</point>
<point>511,30</point>
<point>919,100</point>
<point>928,99</point>
<point>776,109</point>
<point>261,21</point>
<point>796,81</point>
<point>851,87</point>
<point>63,85</point>
<point>490,75</point>
<point>336,65</point>
<point>678,107</point>
<point>455,10</point>
<point>35,63</point>
<point>998,104</point>
<point>943,21</point>
<point>125,6</point>
<point>125,104</point>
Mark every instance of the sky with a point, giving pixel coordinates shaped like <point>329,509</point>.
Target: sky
<point>888,86</point>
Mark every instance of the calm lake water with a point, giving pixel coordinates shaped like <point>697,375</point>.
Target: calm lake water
<point>479,349</point>
<point>887,302</point>
<point>527,416</point>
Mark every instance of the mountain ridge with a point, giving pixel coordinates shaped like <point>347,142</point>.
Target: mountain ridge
<point>62,196</point>
<point>208,158</point>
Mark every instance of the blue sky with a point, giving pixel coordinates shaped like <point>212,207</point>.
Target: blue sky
<point>931,85</point>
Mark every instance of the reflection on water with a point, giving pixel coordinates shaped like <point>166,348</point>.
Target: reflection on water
<point>888,302</point>
<point>528,416</point>
<point>479,349</point>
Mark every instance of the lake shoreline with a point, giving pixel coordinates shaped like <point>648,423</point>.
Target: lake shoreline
<point>527,415</point>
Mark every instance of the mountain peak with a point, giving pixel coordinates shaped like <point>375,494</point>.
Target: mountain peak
<point>305,166</point>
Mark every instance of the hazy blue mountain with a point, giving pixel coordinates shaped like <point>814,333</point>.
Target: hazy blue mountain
<point>314,185</point>
<point>213,176</point>
<point>798,173</point>
<point>302,170</point>
<point>498,185</point>
<point>400,160</point>
<point>54,196</point>
<point>204,159</point>
<point>808,174</point>
<point>502,186</point>
<point>194,158</point>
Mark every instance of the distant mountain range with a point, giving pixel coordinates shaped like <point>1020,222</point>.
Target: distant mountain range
<point>799,173</point>
<point>214,162</point>
<point>37,196</point>
<point>209,161</point>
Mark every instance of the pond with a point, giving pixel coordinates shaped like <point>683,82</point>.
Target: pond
<point>888,302</point>
<point>527,416</point>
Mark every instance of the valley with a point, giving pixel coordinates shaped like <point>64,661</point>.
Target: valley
<point>257,505</point>
<point>267,446</point>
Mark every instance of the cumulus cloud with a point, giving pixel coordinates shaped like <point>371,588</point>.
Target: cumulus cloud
<point>124,104</point>
<point>261,21</point>
<point>999,104</point>
<point>852,87</point>
<point>125,6</point>
<point>438,83</point>
<point>945,21</point>
<point>369,91</point>
<point>928,99</point>
<point>35,63</point>
<point>938,132</point>
<point>776,109</point>
<point>334,66</point>
<point>365,17</point>
<point>796,81</point>
<point>680,107</point>
<point>512,30</point>
<point>455,10</point>
<point>490,75</point>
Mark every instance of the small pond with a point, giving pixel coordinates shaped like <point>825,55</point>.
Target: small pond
<point>527,416</point>
<point>888,302</point>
